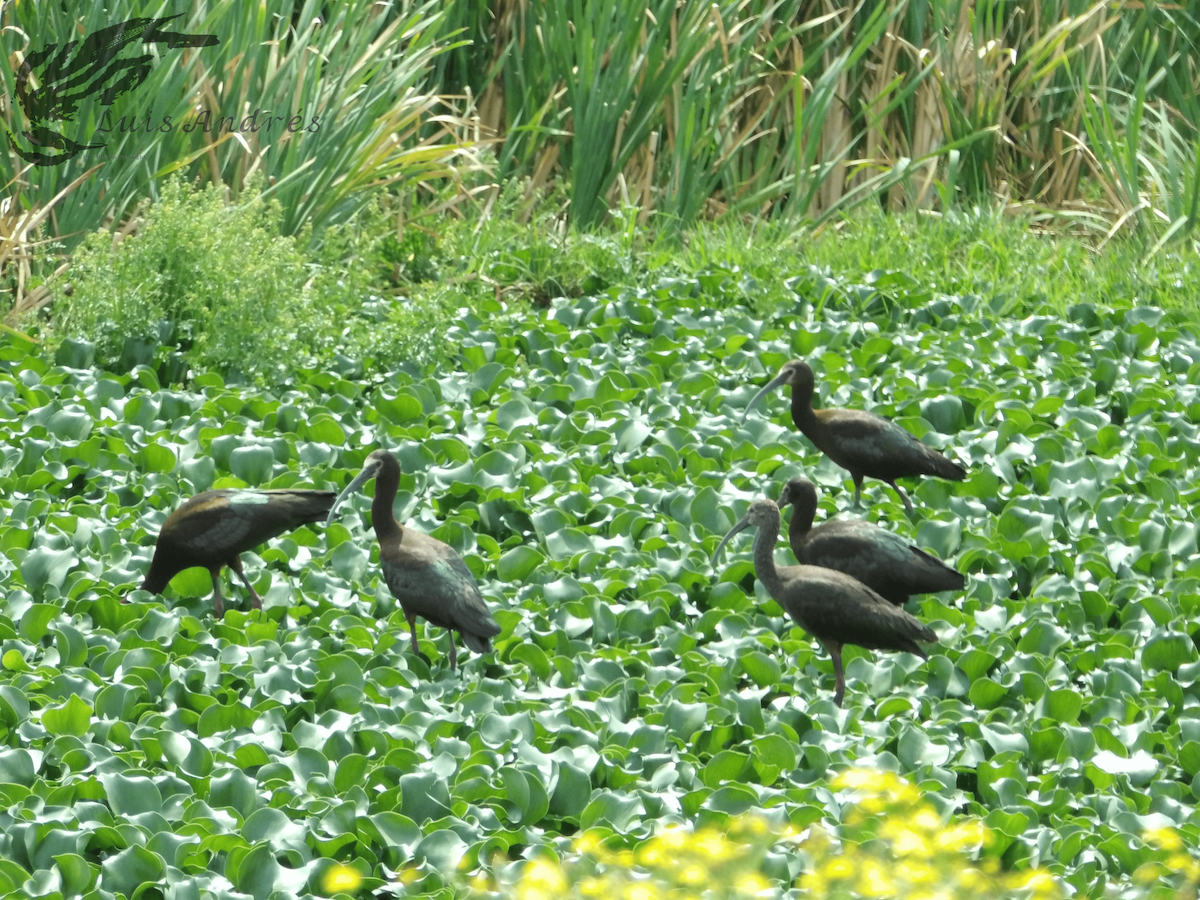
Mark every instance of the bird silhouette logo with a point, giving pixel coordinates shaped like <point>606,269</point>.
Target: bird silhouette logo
<point>54,81</point>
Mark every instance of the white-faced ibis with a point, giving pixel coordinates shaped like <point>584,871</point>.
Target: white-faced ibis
<point>884,562</point>
<point>864,443</point>
<point>833,607</point>
<point>427,577</point>
<point>212,530</point>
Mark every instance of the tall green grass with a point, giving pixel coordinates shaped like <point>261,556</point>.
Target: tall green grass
<point>330,102</point>
<point>1085,111</point>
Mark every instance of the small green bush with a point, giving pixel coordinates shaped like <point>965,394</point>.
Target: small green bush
<point>220,284</point>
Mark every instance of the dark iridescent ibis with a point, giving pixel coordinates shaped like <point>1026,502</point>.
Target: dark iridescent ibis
<point>213,529</point>
<point>884,562</point>
<point>867,445</point>
<point>830,605</point>
<point>428,578</point>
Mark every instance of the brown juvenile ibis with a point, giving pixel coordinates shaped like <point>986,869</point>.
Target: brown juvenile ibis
<point>884,562</point>
<point>427,577</point>
<point>832,606</point>
<point>212,530</point>
<point>864,443</point>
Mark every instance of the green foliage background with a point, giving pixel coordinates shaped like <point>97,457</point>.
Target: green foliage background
<point>585,459</point>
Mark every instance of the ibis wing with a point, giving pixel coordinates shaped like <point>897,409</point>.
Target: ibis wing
<point>431,580</point>
<point>835,607</point>
<point>883,561</point>
<point>864,442</point>
<point>222,523</point>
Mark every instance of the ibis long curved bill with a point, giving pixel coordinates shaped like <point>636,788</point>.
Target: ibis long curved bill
<point>775,382</point>
<point>370,470</point>
<point>739,527</point>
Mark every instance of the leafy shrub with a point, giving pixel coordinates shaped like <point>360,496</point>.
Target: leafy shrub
<point>222,285</point>
<point>217,281</point>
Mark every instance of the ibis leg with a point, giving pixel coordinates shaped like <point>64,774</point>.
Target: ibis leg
<point>903,496</point>
<point>236,565</point>
<point>835,652</point>
<point>218,603</point>
<point>858,480</point>
<point>453,653</point>
<point>412,627</point>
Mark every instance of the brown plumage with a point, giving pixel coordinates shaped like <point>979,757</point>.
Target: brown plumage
<point>867,445</point>
<point>212,530</point>
<point>830,605</point>
<point>428,578</point>
<point>885,562</point>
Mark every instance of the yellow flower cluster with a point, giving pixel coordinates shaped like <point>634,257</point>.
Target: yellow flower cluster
<point>1174,874</point>
<point>893,844</point>
<point>676,864</point>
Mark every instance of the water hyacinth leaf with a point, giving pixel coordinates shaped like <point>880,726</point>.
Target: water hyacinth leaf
<point>16,767</point>
<point>128,870</point>
<point>131,794</point>
<point>1168,651</point>
<point>572,792</point>
<point>617,811</point>
<point>43,567</point>
<point>253,465</point>
<point>585,457</point>
<point>516,564</point>
<point>76,872</point>
<point>156,458</point>
<point>423,797</point>
<point>400,408</point>
<point>73,717</point>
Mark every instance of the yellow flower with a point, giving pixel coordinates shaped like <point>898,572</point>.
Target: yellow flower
<point>651,855</point>
<point>588,843</point>
<point>908,843</point>
<point>480,882</point>
<point>642,890</point>
<point>594,887</point>
<point>694,875</point>
<point>1163,838</point>
<point>625,858</point>
<point>873,880</point>
<point>972,879</point>
<point>752,884</point>
<point>1149,873</point>
<point>341,879</point>
<point>1042,883</point>
<point>865,779</point>
<point>673,838</point>
<point>837,868</point>
<point>1184,864</point>
<point>541,875</point>
<point>711,843</point>
<point>915,872</point>
<point>927,820</point>
<point>966,835</point>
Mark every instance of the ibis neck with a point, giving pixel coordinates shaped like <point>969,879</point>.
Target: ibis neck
<point>764,557</point>
<point>159,575</point>
<point>802,412</point>
<point>387,483</point>
<point>802,519</point>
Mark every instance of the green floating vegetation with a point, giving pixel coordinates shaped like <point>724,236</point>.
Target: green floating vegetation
<point>585,459</point>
